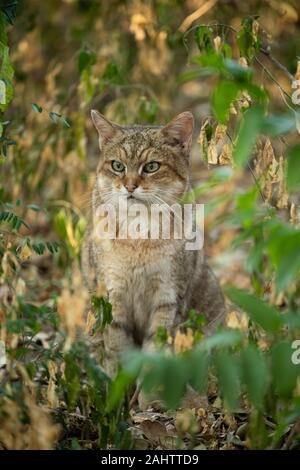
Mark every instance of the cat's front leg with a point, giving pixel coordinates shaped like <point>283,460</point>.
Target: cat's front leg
<point>118,336</point>
<point>163,315</point>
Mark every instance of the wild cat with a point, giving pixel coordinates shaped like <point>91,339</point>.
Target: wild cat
<point>150,283</point>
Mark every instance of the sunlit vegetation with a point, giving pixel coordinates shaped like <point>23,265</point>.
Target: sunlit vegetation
<point>143,62</point>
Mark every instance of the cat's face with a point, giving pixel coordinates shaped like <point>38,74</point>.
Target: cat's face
<point>144,164</point>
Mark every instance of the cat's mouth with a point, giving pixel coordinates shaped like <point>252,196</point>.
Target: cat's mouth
<point>134,197</point>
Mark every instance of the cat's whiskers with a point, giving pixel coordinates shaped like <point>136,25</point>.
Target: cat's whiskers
<point>169,207</point>
<point>163,192</point>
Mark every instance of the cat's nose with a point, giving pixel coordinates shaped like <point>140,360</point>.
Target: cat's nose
<point>130,187</point>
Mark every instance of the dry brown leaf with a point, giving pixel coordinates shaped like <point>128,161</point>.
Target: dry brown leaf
<point>220,133</point>
<point>186,422</point>
<point>39,433</point>
<point>71,305</point>
<point>183,341</point>
<point>202,139</point>
<point>158,433</point>
<point>226,155</point>
<point>282,197</point>
<point>52,398</point>
<point>212,154</point>
<point>297,74</point>
<point>137,26</point>
<point>217,43</point>
<point>90,322</point>
<point>238,320</point>
<point>266,168</point>
<point>25,253</point>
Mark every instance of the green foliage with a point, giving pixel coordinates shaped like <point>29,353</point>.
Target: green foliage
<point>293,168</point>
<point>14,220</point>
<point>103,311</point>
<point>9,10</point>
<point>228,374</point>
<point>86,60</point>
<point>204,38</point>
<point>47,171</point>
<point>246,38</point>
<point>264,315</point>
<point>247,135</point>
<point>255,375</point>
<point>37,108</point>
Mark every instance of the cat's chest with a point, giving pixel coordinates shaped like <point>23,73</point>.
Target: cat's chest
<point>137,271</point>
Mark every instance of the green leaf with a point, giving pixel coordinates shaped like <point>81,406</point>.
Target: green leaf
<point>228,373</point>
<point>212,60</point>
<point>278,124</point>
<point>53,247</point>
<point>58,118</point>
<point>118,389</point>
<point>103,311</point>
<point>222,339</point>
<point>193,74</point>
<point>3,33</point>
<point>255,375</point>
<point>13,219</point>
<point>64,122</point>
<point>165,377</point>
<point>224,94</point>
<point>9,9</point>
<point>293,168</point>
<point>173,380</point>
<point>238,71</point>
<point>112,73</point>
<point>292,319</point>
<point>283,249</point>
<point>85,60</point>
<point>261,313</point>
<point>247,134</point>
<point>55,117</point>
<point>34,207</point>
<point>203,37</point>
<point>198,363</point>
<point>247,42</point>
<point>289,265</point>
<point>36,107</point>
<point>284,372</point>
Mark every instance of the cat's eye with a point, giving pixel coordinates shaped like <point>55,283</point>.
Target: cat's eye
<point>151,167</point>
<point>117,166</point>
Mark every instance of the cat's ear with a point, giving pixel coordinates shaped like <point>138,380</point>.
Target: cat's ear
<point>180,131</point>
<point>105,128</point>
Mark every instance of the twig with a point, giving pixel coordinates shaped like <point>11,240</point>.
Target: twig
<point>256,182</point>
<point>271,76</point>
<point>196,14</point>
<point>251,171</point>
<point>135,396</point>
<point>267,52</point>
<point>294,430</point>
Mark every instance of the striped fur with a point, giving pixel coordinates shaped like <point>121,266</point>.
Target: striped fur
<point>150,283</point>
